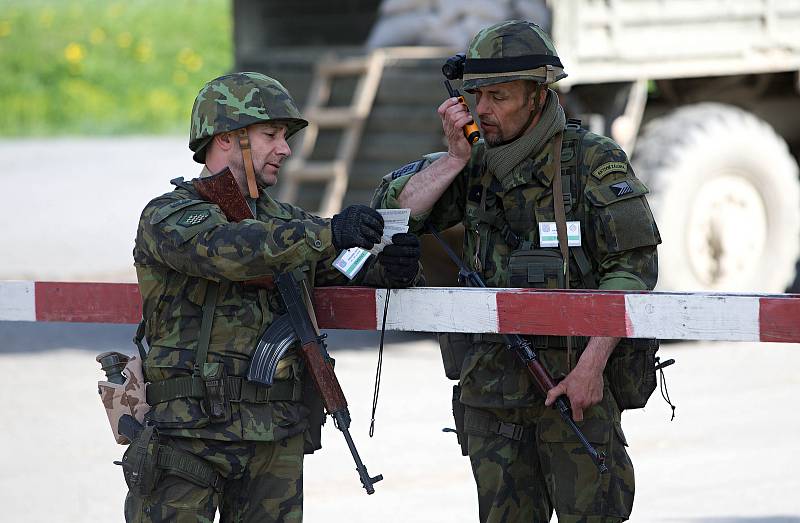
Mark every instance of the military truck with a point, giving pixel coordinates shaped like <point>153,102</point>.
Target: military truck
<point>704,95</point>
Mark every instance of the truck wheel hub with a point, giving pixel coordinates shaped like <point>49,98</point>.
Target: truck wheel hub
<point>727,230</point>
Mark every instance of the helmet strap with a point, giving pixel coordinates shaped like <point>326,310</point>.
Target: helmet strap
<point>536,108</point>
<point>247,159</point>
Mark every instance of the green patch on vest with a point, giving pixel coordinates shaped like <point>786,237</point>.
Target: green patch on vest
<point>610,167</point>
<point>194,217</point>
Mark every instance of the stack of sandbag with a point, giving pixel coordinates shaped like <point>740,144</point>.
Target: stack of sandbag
<point>448,23</point>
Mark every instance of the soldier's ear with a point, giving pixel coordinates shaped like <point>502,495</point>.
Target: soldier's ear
<point>225,141</point>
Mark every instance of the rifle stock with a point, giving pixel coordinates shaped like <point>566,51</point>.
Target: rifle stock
<point>523,349</point>
<point>221,189</point>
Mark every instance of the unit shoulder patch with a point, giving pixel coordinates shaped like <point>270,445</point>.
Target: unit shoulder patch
<point>409,168</point>
<point>610,167</point>
<point>194,217</point>
<point>621,188</point>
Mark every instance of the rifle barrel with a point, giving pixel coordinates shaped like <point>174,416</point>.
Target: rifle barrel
<point>366,481</point>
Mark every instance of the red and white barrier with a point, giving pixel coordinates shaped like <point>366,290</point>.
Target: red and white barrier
<point>689,316</point>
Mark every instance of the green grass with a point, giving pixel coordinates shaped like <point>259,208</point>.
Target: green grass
<point>108,66</point>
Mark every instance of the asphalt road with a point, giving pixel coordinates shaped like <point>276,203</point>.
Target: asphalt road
<point>730,456</point>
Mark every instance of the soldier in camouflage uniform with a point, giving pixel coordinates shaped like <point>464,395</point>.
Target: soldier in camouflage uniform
<point>525,460</point>
<point>225,442</point>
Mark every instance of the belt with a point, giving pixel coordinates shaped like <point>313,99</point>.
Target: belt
<point>237,388</point>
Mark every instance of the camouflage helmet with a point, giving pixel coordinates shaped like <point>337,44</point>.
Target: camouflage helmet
<point>508,51</point>
<point>235,101</point>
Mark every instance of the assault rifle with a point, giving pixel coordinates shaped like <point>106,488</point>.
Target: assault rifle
<point>299,324</point>
<point>523,349</point>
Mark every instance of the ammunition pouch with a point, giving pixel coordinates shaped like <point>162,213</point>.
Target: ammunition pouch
<point>454,347</point>
<point>316,417</point>
<point>458,417</point>
<point>631,372</point>
<point>215,401</point>
<point>146,459</point>
<point>536,269</point>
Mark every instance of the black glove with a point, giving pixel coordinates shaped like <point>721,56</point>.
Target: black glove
<point>401,259</point>
<point>357,226</point>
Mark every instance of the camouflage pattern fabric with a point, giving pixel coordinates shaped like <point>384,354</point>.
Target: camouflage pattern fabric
<point>519,50</point>
<point>237,100</point>
<point>128,398</point>
<point>527,481</point>
<point>619,236</point>
<point>263,483</point>
<point>182,243</point>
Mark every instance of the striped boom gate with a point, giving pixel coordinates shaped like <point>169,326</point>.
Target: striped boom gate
<point>666,315</point>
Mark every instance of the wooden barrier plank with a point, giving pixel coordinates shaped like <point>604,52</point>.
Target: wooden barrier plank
<point>673,315</point>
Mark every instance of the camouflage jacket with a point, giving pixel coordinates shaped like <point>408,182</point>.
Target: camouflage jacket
<point>618,236</point>
<point>183,243</point>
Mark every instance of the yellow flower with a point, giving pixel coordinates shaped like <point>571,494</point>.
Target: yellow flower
<point>74,53</point>
<point>195,63</point>
<point>5,28</point>
<point>189,59</point>
<point>185,55</point>
<point>124,40</point>
<point>97,36</point>
<point>143,51</point>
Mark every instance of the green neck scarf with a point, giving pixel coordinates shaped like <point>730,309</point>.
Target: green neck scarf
<point>502,159</point>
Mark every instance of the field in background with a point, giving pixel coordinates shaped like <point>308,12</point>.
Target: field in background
<point>99,67</point>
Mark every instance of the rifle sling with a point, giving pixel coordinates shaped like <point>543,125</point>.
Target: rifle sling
<point>138,337</point>
<point>561,224</point>
<point>209,305</point>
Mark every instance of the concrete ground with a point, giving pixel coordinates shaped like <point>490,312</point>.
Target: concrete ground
<point>730,455</point>
<point>69,212</point>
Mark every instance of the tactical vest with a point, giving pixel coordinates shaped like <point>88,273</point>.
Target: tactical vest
<point>631,370</point>
<point>532,267</point>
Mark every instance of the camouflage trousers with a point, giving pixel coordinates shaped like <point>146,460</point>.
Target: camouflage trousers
<point>547,469</point>
<point>263,483</point>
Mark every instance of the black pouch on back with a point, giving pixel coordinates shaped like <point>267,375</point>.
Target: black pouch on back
<point>316,417</point>
<point>454,347</point>
<point>459,413</point>
<point>216,403</point>
<point>536,269</point>
<point>140,462</point>
<point>631,372</point>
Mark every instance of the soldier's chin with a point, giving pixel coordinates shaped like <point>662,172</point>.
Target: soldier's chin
<point>493,139</point>
<point>267,180</point>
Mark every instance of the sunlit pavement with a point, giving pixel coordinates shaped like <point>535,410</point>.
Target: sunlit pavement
<point>729,456</point>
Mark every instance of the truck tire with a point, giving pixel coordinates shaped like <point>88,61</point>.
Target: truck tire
<point>726,196</point>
